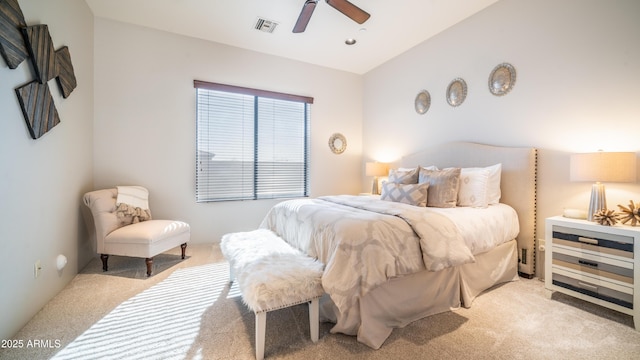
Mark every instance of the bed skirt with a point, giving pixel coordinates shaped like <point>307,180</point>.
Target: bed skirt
<point>405,299</point>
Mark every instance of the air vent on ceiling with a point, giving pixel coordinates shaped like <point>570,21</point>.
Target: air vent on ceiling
<point>265,25</point>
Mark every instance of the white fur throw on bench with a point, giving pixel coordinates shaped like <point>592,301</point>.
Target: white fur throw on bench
<point>270,273</point>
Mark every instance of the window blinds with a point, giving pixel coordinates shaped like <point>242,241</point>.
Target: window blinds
<point>249,146</point>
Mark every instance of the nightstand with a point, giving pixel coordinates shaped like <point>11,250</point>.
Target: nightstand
<point>596,263</point>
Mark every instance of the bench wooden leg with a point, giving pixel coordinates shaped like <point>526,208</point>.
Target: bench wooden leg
<point>261,327</point>
<point>149,262</point>
<point>105,259</point>
<point>183,247</point>
<point>314,319</point>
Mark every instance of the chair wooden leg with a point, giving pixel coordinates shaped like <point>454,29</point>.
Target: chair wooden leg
<point>149,262</point>
<point>183,247</point>
<point>104,258</point>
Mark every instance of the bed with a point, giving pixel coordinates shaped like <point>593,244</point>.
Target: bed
<point>388,263</point>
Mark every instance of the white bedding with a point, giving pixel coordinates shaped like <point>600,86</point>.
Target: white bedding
<point>364,241</point>
<point>483,229</point>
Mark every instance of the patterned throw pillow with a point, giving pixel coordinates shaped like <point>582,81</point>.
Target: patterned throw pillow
<point>403,176</point>
<point>443,186</point>
<point>412,194</point>
<point>473,187</point>
<point>128,214</point>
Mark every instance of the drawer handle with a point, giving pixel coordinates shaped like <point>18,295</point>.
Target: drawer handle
<point>588,286</point>
<point>588,240</point>
<point>588,263</point>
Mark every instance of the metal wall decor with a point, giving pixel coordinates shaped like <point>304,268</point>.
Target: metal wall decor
<point>422,102</point>
<point>12,46</point>
<point>456,92</point>
<point>337,143</point>
<point>502,79</point>
<point>18,42</point>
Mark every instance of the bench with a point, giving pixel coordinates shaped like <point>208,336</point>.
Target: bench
<point>272,275</point>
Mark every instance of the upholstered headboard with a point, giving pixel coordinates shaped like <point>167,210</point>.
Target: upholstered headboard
<point>517,185</point>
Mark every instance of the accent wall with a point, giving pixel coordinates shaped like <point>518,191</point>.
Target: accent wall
<point>577,70</point>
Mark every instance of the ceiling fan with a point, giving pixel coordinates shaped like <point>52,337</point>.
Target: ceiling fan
<point>353,12</point>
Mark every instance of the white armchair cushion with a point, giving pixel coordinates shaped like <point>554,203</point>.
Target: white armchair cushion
<point>147,238</point>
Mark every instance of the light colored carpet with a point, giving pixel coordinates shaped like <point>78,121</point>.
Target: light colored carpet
<point>188,310</point>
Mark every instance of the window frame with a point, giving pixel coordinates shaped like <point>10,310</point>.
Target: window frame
<point>256,93</point>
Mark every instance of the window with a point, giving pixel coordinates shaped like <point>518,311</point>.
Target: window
<point>251,144</point>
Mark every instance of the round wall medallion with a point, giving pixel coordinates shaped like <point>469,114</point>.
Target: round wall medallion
<point>422,102</point>
<point>337,143</point>
<point>456,92</point>
<point>502,79</point>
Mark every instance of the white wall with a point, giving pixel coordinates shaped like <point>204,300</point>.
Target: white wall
<point>578,64</point>
<point>145,120</point>
<point>578,67</point>
<point>42,181</point>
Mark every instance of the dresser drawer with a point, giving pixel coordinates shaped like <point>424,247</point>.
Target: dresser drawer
<point>598,289</point>
<point>592,241</point>
<point>618,271</point>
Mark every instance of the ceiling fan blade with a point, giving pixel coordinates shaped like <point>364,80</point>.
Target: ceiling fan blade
<point>305,16</point>
<point>353,12</point>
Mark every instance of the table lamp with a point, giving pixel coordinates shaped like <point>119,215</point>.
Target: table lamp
<point>376,169</point>
<point>602,167</point>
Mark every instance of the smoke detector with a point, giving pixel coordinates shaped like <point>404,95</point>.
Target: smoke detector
<point>265,25</point>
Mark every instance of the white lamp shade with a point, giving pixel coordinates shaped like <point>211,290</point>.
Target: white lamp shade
<point>603,167</point>
<point>376,169</point>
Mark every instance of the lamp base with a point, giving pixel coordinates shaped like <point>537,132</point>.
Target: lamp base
<point>374,188</point>
<point>598,200</point>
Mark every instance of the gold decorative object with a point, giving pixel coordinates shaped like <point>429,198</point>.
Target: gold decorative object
<point>606,217</point>
<point>630,213</point>
<point>337,143</point>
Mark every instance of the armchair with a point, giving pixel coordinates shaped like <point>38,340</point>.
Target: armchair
<point>117,236</point>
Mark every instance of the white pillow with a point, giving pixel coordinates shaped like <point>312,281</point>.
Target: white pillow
<point>493,190</point>
<point>471,192</point>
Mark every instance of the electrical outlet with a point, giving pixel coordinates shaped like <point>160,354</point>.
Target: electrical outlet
<point>542,245</point>
<point>36,269</point>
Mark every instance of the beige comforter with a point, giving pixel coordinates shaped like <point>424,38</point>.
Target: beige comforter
<point>364,241</point>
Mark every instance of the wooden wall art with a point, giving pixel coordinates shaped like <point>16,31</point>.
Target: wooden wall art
<point>43,56</point>
<point>38,108</point>
<point>66,78</point>
<point>18,42</point>
<point>12,44</point>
